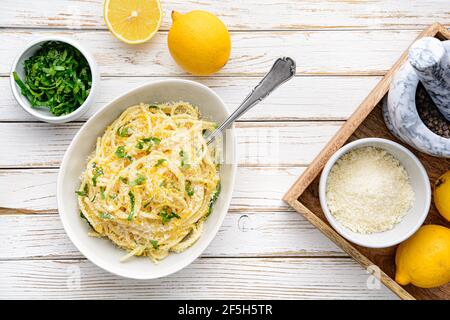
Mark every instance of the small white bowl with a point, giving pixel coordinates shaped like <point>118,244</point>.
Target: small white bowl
<point>42,113</point>
<point>411,221</point>
<point>102,252</point>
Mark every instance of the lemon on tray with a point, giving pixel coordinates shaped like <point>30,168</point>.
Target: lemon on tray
<point>441,195</point>
<point>199,42</point>
<point>424,259</point>
<point>133,21</point>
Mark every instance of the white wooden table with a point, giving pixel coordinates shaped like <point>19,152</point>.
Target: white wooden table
<point>263,249</point>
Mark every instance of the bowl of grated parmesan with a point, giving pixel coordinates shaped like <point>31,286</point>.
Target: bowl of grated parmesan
<point>375,192</point>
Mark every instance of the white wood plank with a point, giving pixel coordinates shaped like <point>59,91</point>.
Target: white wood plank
<point>258,143</point>
<point>241,15</point>
<point>28,191</point>
<point>253,53</point>
<point>217,278</point>
<point>34,190</point>
<point>302,98</point>
<point>249,234</point>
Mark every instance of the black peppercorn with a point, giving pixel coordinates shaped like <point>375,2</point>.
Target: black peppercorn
<point>430,115</point>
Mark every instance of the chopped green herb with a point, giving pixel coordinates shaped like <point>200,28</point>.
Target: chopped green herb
<point>20,83</point>
<point>120,152</point>
<point>113,196</point>
<point>155,244</point>
<point>57,77</point>
<point>147,141</point>
<point>123,132</point>
<point>147,204</point>
<point>102,193</point>
<point>166,217</point>
<point>104,215</point>
<point>138,181</point>
<point>163,183</point>
<point>98,171</point>
<point>140,145</point>
<point>160,162</point>
<point>184,160</point>
<point>132,200</point>
<point>124,180</point>
<point>152,140</point>
<point>84,192</point>
<point>213,199</point>
<point>188,188</point>
<point>85,219</point>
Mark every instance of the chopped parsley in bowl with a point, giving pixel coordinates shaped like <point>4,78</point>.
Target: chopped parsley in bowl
<point>53,79</point>
<point>57,77</point>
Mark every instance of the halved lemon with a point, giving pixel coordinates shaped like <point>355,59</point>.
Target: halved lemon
<point>133,21</point>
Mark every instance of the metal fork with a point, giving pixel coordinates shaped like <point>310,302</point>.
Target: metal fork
<point>282,70</point>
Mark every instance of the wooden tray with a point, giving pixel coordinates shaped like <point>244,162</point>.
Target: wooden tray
<point>367,121</point>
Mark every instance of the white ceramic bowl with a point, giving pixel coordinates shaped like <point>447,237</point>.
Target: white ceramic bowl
<point>42,113</point>
<point>102,252</point>
<point>413,219</point>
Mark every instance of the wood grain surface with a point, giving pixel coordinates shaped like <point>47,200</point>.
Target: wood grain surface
<point>264,249</point>
<point>207,278</point>
<point>298,100</point>
<point>345,53</point>
<point>242,15</point>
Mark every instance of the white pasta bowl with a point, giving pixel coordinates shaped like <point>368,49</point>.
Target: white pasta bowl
<point>416,215</point>
<point>102,252</point>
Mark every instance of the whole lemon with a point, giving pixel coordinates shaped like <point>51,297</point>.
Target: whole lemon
<point>199,42</point>
<point>424,259</point>
<point>441,195</point>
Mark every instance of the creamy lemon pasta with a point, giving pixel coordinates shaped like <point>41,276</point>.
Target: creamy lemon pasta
<point>151,181</point>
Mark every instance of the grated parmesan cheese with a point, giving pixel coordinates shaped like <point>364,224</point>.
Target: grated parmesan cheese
<point>368,190</point>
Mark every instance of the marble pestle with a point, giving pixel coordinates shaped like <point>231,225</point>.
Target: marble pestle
<point>431,62</point>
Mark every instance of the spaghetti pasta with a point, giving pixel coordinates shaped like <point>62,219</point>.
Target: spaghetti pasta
<point>152,180</point>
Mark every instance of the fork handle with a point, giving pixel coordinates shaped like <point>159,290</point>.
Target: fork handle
<point>282,70</point>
